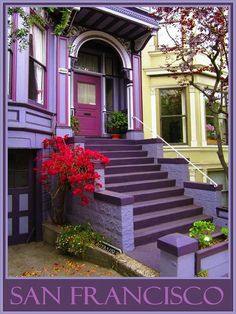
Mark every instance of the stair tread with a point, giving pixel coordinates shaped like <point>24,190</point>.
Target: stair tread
<point>131,158</point>
<point>133,173</point>
<point>166,225</point>
<point>149,191</point>
<point>132,182</point>
<point>164,212</point>
<point>161,200</point>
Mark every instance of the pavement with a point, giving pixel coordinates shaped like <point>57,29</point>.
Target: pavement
<point>39,259</point>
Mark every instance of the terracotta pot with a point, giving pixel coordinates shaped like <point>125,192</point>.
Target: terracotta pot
<point>116,136</point>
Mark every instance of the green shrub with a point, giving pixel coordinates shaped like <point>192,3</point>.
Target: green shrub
<point>225,231</point>
<point>202,273</point>
<point>117,122</point>
<point>75,124</point>
<point>202,230</point>
<point>74,240</point>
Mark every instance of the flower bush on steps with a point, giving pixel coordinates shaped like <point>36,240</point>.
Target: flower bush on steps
<point>73,169</point>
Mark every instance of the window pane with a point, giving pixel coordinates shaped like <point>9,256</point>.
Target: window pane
<point>21,179</point>
<point>86,94</point>
<point>24,228</point>
<point>9,74</point>
<point>171,101</point>
<point>87,62</point>
<point>10,226</point>
<point>36,82</point>
<point>9,203</point>
<point>109,94</point>
<point>23,202</point>
<point>38,44</point>
<point>172,129</point>
<point>108,66</point>
<point>11,179</point>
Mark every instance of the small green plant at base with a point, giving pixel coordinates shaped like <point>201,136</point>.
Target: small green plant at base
<point>202,273</point>
<point>225,231</point>
<point>75,124</point>
<point>202,230</point>
<point>74,240</point>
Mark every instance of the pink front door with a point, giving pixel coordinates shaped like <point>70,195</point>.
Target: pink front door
<point>87,103</point>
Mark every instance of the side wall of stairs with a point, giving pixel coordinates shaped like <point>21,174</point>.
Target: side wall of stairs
<point>141,201</point>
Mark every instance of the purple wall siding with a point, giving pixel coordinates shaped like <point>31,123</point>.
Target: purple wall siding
<point>137,96</point>
<point>62,82</point>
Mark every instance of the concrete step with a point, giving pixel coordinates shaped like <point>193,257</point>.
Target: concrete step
<point>131,161</point>
<point>147,195</point>
<point>100,141</point>
<point>111,147</point>
<point>161,204</point>
<point>167,215</point>
<point>124,154</point>
<point>136,186</point>
<point>131,168</point>
<point>152,233</point>
<point>135,176</point>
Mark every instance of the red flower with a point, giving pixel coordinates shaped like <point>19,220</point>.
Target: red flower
<point>73,166</point>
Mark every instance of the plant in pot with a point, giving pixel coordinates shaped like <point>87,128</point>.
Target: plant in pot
<point>75,124</point>
<point>67,168</point>
<point>117,124</point>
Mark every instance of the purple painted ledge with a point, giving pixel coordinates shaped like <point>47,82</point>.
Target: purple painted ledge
<point>203,186</point>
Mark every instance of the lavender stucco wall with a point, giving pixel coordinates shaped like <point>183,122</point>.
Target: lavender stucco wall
<point>208,199</point>
<point>113,221</point>
<point>217,265</point>
<point>176,170</point>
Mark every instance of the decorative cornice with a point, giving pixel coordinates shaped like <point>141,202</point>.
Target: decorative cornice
<point>136,15</point>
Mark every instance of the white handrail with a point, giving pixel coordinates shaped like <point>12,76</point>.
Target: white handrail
<point>154,135</point>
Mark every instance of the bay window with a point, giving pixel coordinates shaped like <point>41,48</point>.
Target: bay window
<point>173,115</point>
<point>37,65</point>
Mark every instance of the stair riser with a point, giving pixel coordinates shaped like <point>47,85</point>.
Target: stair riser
<point>108,141</point>
<point>111,147</point>
<point>125,154</point>
<point>117,162</point>
<point>142,186</point>
<point>138,168</point>
<point>137,177</point>
<point>150,208</point>
<point>154,236</point>
<point>168,218</point>
<point>157,195</point>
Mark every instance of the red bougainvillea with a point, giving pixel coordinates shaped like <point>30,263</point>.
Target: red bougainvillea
<point>74,168</point>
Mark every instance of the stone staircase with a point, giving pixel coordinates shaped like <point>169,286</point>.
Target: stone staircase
<point>160,206</point>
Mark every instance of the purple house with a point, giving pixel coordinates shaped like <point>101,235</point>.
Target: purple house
<point>94,71</point>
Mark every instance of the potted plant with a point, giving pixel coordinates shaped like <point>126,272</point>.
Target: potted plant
<point>75,124</point>
<point>211,134</point>
<point>117,124</point>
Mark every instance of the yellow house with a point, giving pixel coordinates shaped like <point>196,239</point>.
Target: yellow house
<point>179,115</point>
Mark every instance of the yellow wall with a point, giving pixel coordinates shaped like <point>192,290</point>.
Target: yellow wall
<point>154,77</point>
